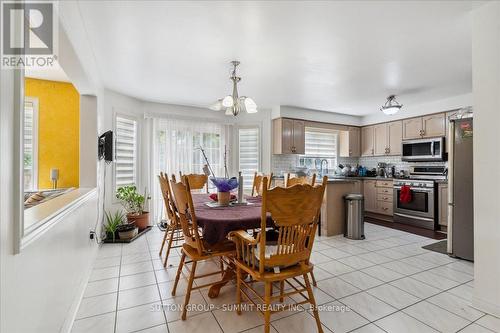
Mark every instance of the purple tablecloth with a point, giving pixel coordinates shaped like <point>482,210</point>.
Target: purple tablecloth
<point>216,223</point>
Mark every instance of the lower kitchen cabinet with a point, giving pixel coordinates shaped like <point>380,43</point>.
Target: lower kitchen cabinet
<point>443,204</point>
<point>370,194</point>
<point>378,196</point>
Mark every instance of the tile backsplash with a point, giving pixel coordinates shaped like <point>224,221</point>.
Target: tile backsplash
<point>283,163</point>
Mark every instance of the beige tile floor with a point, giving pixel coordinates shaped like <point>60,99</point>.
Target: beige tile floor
<point>385,283</point>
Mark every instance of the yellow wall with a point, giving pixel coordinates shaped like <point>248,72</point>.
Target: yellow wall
<point>58,130</point>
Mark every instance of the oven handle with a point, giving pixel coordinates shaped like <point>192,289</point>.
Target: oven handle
<point>414,217</point>
<point>416,189</point>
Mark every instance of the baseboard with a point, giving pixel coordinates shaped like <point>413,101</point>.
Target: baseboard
<point>70,317</point>
<point>485,306</point>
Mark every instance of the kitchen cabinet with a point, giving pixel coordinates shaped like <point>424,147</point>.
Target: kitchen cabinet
<point>367,148</point>
<point>380,139</point>
<point>288,136</point>
<point>443,204</point>
<point>370,194</point>
<point>387,138</point>
<point>412,128</point>
<point>433,125</point>
<point>349,142</point>
<point>395,137</point>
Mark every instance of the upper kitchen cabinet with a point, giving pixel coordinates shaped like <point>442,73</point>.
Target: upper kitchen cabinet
<point>434,125</point>
<point>387,138</point>
<point>367,144</point>
<point>395,137</point>
<point>349,142</point>
<point>412,128</point>
<point>380,139</point>
<point>424,127</point>
<point>288,136</point>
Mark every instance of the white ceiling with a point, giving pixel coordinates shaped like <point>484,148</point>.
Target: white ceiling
<point>334,56</point>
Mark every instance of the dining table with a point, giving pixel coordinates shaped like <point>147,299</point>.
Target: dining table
<point>217,222</point>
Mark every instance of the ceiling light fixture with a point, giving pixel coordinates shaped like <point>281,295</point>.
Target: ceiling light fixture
<point>233,104</point>
<point>391,106</point>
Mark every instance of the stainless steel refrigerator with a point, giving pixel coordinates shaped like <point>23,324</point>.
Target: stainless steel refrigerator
<point>460,188</point>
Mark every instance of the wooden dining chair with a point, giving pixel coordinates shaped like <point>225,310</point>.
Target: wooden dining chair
<point>257,183</point>
<point>173,231</point>
<point>194,247</point>
<point>295,211</point>
<point>197,181</point>
<point>299,180</point>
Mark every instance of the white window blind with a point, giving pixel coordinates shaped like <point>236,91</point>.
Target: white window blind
<point>125,151</point>
<point>320,142</point>
<point>29,146</point>
<point>249,154</point>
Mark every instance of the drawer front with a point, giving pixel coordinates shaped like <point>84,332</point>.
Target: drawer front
<point>384,183</point>
<point>384,190</point>
<point>384,197</point>
<point>384,207</point>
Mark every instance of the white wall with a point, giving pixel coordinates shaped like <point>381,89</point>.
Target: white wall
<point>40,287</point>
<point>315,115</point>
<point>486,87</point>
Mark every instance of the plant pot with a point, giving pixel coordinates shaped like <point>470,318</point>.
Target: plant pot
<point>127,231</point>
<point>223,198</point>
<point>141,221</point>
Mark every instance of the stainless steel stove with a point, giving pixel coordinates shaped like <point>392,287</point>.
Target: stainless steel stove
<point>421,211</point>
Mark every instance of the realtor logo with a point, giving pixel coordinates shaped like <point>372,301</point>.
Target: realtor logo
<point>29,34</point>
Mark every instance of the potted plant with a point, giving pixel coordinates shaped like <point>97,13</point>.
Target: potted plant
<point>113,221</point>
<point>127,231</point>
<point>134,203</point>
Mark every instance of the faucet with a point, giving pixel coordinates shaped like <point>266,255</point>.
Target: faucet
<point>326,169</point>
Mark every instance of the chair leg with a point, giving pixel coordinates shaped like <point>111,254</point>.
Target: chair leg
<point>164,239</point>
<point>313,279</point>
<point>221,267</point>
<point>282,291</point>
<point>267,302</point>
<point>238,290</point>
<point>169,246</point>
<point>313,302</point>
<point>189,287</point>
<point>179,270</point>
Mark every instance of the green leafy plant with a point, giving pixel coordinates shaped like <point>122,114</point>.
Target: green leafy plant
<point>132,201</point>
<point>113,221</point>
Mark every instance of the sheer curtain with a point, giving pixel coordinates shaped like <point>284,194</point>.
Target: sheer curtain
<point>175,146</point>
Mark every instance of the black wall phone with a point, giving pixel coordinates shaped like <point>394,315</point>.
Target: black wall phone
<point>105,146</point>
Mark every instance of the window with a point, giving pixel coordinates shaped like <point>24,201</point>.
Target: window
<point>125,151</point>
<point>176,148</point>
<point>249,155</point>
<point>30,145</point>
<point>320,143</point>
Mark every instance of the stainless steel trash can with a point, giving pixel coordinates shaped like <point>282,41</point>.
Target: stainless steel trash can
<point>354,216</point>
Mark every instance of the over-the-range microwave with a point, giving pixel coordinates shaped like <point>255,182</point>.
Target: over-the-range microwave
<point>420,150</point>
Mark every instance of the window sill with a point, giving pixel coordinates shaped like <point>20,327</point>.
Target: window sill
<point>40,218</point>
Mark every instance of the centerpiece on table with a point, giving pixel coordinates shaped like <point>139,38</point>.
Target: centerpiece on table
<point>224,184</point>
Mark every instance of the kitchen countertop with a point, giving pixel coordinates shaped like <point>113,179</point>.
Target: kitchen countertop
<point>347,179</point>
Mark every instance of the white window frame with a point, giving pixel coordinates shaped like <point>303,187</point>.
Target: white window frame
<point>34,101</point>
<point>336,157</point>
<point>237,146</point>
<point>129,116</point>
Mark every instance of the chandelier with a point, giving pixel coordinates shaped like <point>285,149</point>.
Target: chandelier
<point>234,104</point>
<point>391,106</point>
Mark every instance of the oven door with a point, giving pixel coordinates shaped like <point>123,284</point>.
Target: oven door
<point>421,205</point>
